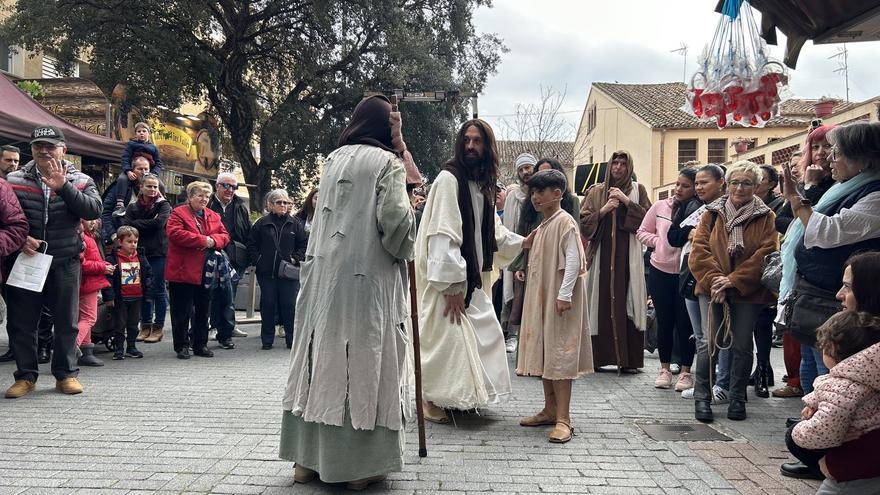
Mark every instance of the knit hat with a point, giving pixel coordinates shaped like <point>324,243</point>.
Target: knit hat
<point>524,159</point>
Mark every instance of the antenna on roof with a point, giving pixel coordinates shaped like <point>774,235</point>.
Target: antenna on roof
<point>842,57</point>
<point>683,50</point>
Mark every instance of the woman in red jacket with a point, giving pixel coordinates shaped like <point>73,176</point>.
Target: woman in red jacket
<point>192,230</point>
<point>94,278</point>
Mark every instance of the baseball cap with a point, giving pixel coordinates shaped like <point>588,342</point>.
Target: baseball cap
<point>47,134</point>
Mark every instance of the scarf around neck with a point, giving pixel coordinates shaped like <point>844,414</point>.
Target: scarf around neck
<point>469,244</point>
<point>735,219</point>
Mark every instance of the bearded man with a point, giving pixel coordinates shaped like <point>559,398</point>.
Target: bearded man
<point>525,167</point>
<point>464,364</point>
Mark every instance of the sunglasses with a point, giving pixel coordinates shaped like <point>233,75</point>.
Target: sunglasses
<point>281,202</point>
<point>226,186</point>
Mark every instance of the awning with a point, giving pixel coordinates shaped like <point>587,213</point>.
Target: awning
<point>823,21</point>
<point>20,114</point>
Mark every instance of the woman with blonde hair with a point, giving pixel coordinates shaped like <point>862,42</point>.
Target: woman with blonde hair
<point>726,259</point>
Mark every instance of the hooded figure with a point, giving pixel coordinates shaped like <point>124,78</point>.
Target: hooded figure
<point>615,208</point>
<point>347,390</point>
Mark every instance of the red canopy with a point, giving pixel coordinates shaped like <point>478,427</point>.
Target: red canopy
<point>20,114</point>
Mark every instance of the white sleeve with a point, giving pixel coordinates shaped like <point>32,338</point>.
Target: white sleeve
<point>848,226</point>
<point>509,244</point>
<point>572,265</point>
<point>446,266</point>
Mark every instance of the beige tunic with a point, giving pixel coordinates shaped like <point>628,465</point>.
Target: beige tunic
<point>552,346</point>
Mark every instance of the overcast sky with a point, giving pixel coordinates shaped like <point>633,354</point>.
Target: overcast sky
<point>569,44</point>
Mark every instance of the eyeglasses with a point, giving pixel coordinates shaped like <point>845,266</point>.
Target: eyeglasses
<point>45,146</point>
<point>833,155</point>
<point>227,186</point>
<point>744,184</point>
<point>281,202</point>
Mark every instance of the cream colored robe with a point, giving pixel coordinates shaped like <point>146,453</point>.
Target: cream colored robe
<point>463,367</point>
<point>350,347</point>
<point>512,211</point>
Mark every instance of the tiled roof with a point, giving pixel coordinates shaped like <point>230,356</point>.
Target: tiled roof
<point>509,150</point>
<point>798,107</point>
<point>660,105</point>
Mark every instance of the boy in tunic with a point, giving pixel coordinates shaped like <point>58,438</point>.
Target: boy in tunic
<point>554,343</point>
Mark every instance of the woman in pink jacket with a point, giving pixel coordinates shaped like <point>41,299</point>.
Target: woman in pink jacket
<point>672,315</point>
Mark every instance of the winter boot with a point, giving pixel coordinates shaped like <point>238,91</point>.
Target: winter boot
<point>156,334</point>
<point>762,375</point>
<point>146,329</point>
<point>88,356</point>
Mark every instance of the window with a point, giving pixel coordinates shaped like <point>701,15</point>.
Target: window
<point>687,151</point>
<point>717,150</point>
<point>5,57</point>
<point>50,68</point>
<point>783,156</point>
<point>591,118</point>
<point>757,160</point>
<point>663,195</point>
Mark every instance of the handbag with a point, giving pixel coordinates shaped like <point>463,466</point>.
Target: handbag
<point>287,270</point>
<point>771,274</point>
<point>806,309</point>
<point>686,281</point>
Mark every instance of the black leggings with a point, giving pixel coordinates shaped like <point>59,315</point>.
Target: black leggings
<point>672,316</point>
<point>764,333</point>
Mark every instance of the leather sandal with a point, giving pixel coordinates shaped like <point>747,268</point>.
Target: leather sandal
<point>435,414</point>
<point>540,419</point>
<point>562,433</point>
<point>303,474</point>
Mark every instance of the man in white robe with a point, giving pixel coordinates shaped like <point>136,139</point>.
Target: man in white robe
<point>464,364</point>
<point>525,167</point>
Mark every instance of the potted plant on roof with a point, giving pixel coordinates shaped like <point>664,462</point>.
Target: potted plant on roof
<point>824,106</point>
<point>741,144</point>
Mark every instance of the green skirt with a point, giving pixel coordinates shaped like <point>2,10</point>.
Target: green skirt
<point>340,454</point>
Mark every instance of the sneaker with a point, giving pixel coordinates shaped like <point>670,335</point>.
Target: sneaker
<point>238,333</point>
<point>134,352</point>
<point>719,395</point>
<point>675,368</point>
<point>119,354</point>
<point>511,344</point>
<point>212,334</point>
<point>279,330</point>
<point>119,211</point>
<point>664,379</point>
<point>688,394</point>
<point>685,382</point>
<point>788,391</point>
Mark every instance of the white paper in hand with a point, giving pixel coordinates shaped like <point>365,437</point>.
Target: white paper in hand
<point>30,272</point>
<point>694,218</point>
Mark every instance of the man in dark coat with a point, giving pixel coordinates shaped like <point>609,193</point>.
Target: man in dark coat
<point>55,197</point>
<point>109,221</point>
<point>234,212</point>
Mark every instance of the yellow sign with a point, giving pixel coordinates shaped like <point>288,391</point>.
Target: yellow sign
<point>174,137</point>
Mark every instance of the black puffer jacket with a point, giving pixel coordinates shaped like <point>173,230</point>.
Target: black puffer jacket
<point>150,225</point>
<point>237,221</point>
<point>261,245</point>
<point>77,199</point>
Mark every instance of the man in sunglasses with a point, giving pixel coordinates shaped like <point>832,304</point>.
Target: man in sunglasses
<point>236,218</point>
<point>111,220</point>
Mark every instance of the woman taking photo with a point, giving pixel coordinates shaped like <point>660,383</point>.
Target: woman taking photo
<point>663,273</point>
<point>709,185</point>
<point>192,230</point>
<point>726,259</point>
<point>820,239</point>
<point>148,215</point>
<point>275,238</point>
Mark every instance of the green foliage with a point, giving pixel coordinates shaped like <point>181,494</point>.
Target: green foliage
<point>285,74</point>
<point>32,88</point>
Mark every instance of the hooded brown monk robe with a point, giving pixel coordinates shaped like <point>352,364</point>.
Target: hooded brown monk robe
<point>627,259</point>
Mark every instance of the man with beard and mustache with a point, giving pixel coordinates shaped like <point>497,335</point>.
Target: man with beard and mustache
<point>525,167</point>
<point>464,364</point>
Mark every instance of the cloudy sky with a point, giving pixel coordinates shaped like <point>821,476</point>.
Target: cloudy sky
<point>569,44</point>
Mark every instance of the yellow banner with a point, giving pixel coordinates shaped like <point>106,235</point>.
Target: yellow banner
<point>174,137</point>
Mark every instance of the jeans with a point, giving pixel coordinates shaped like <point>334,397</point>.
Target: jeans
<point>189,304</point>
<point>61,296</point>
<point>125,321</point>
<point>88,315</point>
<point>722,379</point>
<point>809,457</point>
<point>157,297</point>
<point>223,310</point>
<point>742,323</point>
<point>672,317</point>
<point>812,366</point>
<point>277,299</point>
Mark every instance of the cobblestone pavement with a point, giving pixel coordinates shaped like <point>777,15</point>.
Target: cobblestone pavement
<point>160,425</point>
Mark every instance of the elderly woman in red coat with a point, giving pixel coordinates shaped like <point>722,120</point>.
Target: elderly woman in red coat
<point>192,230</point>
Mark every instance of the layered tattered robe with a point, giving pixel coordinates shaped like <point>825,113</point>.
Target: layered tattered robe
<point>629,278</point>
<point>348,390</point>
<point>463,366</point>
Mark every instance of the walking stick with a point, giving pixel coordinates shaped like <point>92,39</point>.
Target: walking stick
<point>614,326</point>
<point>417,357</point>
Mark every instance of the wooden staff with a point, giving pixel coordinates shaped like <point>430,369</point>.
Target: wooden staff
<point>613,262</point>
<point>417,357</point>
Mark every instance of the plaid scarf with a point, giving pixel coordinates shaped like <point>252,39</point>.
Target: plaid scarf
<point>735,219</point>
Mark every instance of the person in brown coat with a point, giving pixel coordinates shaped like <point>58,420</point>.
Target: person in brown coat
<point>610,215</point>
<point>726,259</point>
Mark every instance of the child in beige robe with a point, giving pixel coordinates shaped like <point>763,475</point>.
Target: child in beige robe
<point>554,343</point>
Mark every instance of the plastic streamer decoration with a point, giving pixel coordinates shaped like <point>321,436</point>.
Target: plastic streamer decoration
<point>736,82</point>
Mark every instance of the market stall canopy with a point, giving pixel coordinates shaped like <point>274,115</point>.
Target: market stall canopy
<point>823,21</point>
<point>20,114</point>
